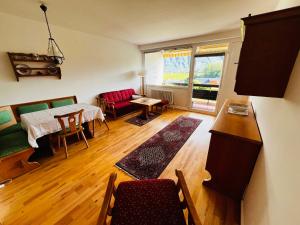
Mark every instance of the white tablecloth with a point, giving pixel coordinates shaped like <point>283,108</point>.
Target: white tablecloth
<point>41,123</point>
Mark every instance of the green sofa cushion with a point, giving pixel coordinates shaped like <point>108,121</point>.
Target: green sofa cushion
<point>63,102</point>
<point>5,117</point>
<point>12,143</point>
<point>32,108</point>
<point>14,128</point>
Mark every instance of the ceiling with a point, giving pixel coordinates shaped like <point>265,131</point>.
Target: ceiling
<point>141,21</point>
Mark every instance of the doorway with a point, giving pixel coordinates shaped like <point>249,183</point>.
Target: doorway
<point>207,76</point>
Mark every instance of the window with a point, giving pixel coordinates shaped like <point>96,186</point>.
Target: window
<point>208,69</point>
<point>168,67</point>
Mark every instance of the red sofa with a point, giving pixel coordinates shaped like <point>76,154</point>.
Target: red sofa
<point>117,103</point>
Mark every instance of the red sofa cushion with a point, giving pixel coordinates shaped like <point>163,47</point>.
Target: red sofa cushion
<point>118,96</point>
<point>126,94</point>
<point>123,104</point>
<point>147,202</point>
<point>113,96</point>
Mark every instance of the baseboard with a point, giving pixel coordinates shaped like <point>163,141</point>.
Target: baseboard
<point>242,213</point>
<point>180,107</point>
<point>192,110</point>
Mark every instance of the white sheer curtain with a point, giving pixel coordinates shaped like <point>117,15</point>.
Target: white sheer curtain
<point>154,68</point>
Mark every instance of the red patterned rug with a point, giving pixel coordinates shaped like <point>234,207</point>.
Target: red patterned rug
<point>137,120</point>
<point>151,158</point>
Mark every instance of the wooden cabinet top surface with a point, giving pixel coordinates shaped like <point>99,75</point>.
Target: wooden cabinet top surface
<point>244,127</point>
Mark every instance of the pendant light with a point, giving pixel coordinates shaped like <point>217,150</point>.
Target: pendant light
<point>53,49</point>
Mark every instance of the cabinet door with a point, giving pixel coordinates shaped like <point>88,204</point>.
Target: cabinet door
<point>267,57</point>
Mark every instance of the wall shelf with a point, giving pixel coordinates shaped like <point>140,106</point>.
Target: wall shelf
<point>33,65</point>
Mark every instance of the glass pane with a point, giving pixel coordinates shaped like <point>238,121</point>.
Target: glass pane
<point>176,67</point>
<point>207,78</point>
<point>208,69</point>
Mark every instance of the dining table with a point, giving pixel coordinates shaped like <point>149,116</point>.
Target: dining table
<point>42,123</point>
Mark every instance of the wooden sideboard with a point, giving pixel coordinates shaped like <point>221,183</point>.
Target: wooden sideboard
<point>234,146</point>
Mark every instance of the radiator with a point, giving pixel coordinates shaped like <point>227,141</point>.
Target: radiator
<point>164,95</point>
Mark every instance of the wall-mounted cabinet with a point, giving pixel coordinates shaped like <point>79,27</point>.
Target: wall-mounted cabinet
<point>270,48</point>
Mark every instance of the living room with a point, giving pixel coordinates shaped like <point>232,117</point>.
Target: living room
<point>151,83</point>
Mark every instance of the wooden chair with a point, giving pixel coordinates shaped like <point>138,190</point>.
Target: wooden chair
<point>147,202</point>
<point>74,128</point>
<point>163,105</point>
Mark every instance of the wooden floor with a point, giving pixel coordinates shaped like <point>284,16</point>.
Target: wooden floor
<point>70,191</point>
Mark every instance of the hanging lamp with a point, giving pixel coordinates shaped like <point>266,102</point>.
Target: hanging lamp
<point>53,49</point>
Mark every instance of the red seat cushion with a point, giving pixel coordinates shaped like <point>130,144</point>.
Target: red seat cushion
<point>123,104</point>
<point>147,202</point>
<point>164,102</point>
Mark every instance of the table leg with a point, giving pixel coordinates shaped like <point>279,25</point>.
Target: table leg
<point>145,113</point>
<point>106,124</point>
<point>88,133</point>
<point>51,144</point>
<point>93,128</point>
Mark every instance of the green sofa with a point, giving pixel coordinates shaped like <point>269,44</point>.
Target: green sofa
<point>14,147</point>
<point>13,138</point>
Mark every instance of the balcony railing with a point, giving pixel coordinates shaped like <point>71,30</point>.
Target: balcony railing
<point>202,91</point>
<point>205,91</point>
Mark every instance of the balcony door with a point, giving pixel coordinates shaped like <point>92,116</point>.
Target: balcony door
<point>206,81</point>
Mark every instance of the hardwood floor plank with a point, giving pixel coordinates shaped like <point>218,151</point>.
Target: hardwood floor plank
<point>71,191</point>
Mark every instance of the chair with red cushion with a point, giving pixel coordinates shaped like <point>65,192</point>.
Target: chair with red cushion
<point>148,202</point>
<point>163,105</point>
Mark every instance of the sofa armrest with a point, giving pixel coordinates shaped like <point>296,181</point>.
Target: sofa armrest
<point>111,104</point>
<point>136,96</point>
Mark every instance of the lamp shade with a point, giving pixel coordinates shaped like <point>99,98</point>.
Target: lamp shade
<point>141,73</point>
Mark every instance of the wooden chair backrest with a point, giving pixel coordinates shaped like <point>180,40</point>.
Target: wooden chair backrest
<point>106,209</point>
<point>48,102</point>
<point>72,121</point>
<point>193,218</point>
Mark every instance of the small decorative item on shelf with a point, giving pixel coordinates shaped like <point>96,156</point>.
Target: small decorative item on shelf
<point>23,69</point>
<point>33,65</point>
<point>52,69</point>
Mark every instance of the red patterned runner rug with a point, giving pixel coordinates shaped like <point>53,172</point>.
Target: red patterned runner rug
<point>150,159</point>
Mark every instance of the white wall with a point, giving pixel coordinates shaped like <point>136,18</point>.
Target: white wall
<point>228,79</point>
<point>272,197</point>
<point>93,64</point>
<point>182,95</point>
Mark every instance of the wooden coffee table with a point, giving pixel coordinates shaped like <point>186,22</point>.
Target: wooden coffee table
<point>146,103</point>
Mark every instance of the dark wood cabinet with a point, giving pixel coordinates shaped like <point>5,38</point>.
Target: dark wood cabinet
<point>270,48</point>
<point>234,146</point>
